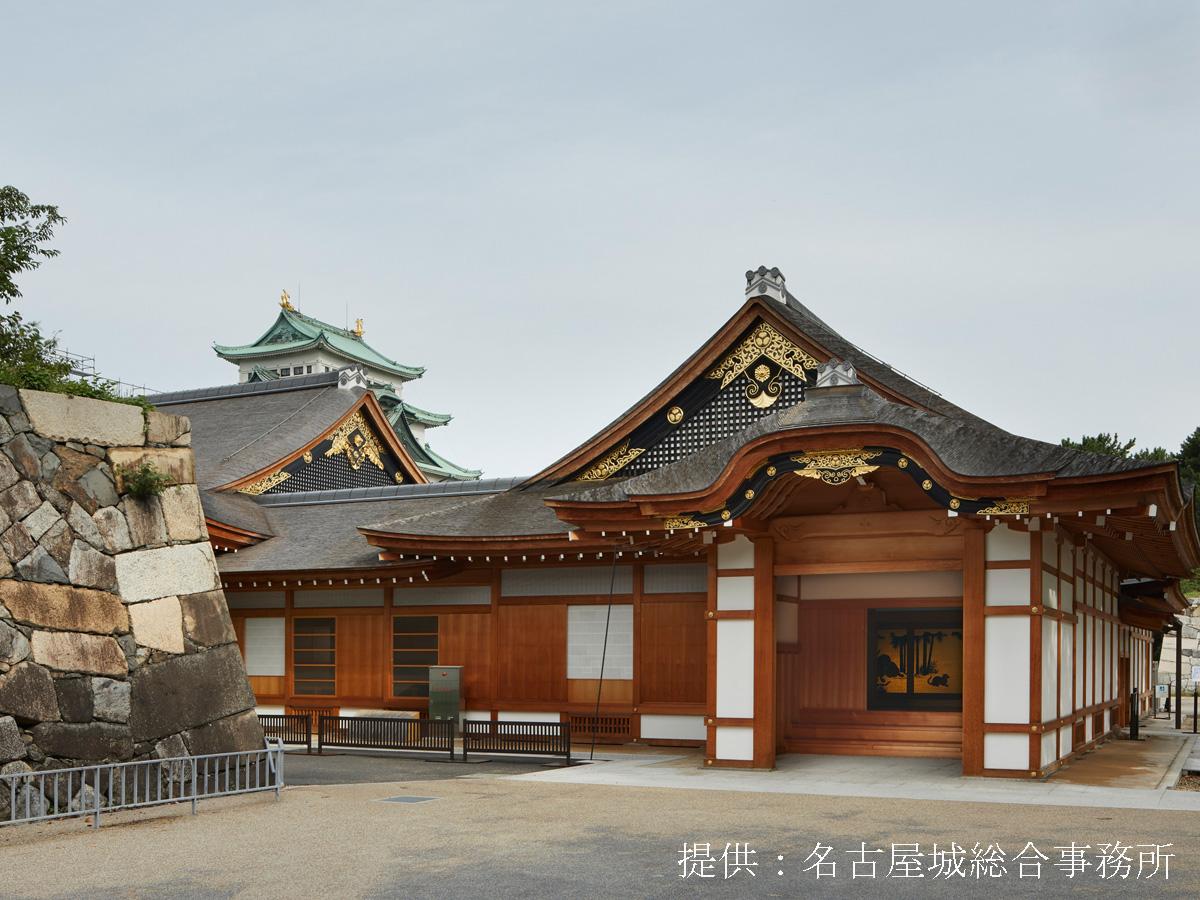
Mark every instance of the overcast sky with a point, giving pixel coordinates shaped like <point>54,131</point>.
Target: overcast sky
<point>550,205</point>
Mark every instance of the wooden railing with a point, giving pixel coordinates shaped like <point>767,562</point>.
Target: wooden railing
<point>521,738</point>
<point>385,733</point>
<point>291,728</point>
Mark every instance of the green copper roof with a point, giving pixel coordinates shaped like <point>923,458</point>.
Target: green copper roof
<point>294,331</point>
<point>428,461</point>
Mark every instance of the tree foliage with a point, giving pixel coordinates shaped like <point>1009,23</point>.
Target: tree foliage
<point>25,231</point>
<point>1112,445</point>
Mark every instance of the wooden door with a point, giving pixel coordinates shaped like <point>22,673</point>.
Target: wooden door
<point>361,667</point>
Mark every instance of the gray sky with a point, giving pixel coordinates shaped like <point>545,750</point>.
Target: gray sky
<point>550,205</point>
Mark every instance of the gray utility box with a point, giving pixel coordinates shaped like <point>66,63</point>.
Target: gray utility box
<point>445,692</point>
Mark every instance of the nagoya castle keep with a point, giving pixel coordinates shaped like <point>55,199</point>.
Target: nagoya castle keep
<point>298,345</point>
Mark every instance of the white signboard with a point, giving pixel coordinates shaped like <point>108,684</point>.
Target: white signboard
<point>1162,690</point>
<point>1195,674</point>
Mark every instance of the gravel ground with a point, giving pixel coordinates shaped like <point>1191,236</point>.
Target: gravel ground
<point>480,835</point>
<point>363,768</point>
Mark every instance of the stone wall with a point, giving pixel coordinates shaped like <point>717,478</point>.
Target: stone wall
<point>115,640</point>
<point>1191,651</point>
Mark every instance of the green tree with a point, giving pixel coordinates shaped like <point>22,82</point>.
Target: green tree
<point>29,359</point>
<point>26,229</point>
<point>1108,444</point>
<point>1189,457</point>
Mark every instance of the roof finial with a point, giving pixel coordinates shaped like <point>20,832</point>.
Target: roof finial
<point>764,282</point>
<point>358,328</point>
<point>285,301</point>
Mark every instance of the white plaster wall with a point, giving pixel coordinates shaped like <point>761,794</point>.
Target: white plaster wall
<point>1049,747</point>
<point>1006,670</point>
<point>1005,751</point>
<point>1049,590</point>
<point>1068,662</point>
<point>265,646</point>
<point>736,554</point>
<point>585,641</point>
<point>1049,669</point>
<point>735,742</point>
<point>517,716</point>
<point>1007,587</point>
<point>674,728</point>
<point>735,669</point>
<point>735,592</point>
<point>1005,544</point>
<point>881,585</point>
<point>1080,657</point>
<point>787,585</point>
<point>477,715</point>
<point>1064,741</point>
<point>466,595</point>
<point>1050,547</point>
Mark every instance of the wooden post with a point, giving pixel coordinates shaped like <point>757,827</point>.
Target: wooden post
<point>764,653</point>
<point>974,557</point>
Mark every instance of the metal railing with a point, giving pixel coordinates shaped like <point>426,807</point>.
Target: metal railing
<point>108,787</point>
<point>523,738</point>
<point>385,733</point>
<point>291,728</point>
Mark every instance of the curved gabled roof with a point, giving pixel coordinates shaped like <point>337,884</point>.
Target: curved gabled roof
<point>293,331</point>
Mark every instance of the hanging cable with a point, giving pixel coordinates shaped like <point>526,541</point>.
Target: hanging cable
<point>612,583</point>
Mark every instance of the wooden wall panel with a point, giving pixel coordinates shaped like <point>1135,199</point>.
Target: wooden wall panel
<point>362,670</point>
<point>832,665</point>
<point>270,686</point>
<point>616,691</point>
<point>465,639</point>
<point>532,647</point>
<point>674,651</point>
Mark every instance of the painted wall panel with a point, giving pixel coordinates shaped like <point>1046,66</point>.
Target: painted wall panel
<point>1006,670</point>
<point>735,669</point>
<point>1005,751</point>
<point>265,646</point>
<point>882,585</point>
<point>565,582</point>
<point>690,578</point>
<point>586,646</point>
<point>735,742</point>
<point>674,728</point>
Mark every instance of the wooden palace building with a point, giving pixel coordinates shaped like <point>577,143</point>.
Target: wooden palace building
<point>786,546</point>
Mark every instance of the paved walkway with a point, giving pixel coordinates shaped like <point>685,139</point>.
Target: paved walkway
<point>914,779</point>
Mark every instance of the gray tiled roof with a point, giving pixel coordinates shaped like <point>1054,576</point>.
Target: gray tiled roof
<point>966,445</point>
<point>239,429</point>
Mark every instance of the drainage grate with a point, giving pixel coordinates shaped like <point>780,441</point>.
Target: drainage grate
<point>405,799</point>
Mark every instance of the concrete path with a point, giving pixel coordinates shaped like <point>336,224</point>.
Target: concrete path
<point>873,777</point>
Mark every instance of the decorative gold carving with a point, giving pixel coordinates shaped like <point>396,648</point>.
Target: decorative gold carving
<point>308,457</point>
<point>265,483</point>
<point>765,341</point>
<point>955,503</point>
<point>926,485</point>
<point>358,327</point>
<point>675,415</point>
<point>749,493</point>
<point>683,522</point>
<point>355,439</point>
<point>902,462</point>
<point>771,470</point>
<point>1007,507</point>
<point>611,463</point>
<point>836,466</point>
<point>399,477</point>
<point>725,514</point>
<point>285,302</point>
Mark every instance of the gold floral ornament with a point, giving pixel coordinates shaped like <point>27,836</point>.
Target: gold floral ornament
<point>675,415</point>
<point>355,439</point>
<point>771,470</point>
<point>927,485</point>
<point>725,514</point>
<point>611,463</point>
<point>902,462</point>
<point>399,477</point>
<point>307,456</point>
<point>1007,507</point>
<point>836,466</point>
<point>955,503</point>
<point>764,342</point>
<point>749,493</point>
<point>264,484</point>
<point>683,522</point>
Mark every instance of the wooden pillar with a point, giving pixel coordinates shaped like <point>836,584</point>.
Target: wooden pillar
<point>764,653</point>
<point>974,556</point>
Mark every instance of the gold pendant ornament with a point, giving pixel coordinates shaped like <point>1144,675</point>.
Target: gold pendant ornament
<point>764,342</point>
<point>836,466</point>
<point>354,438</point>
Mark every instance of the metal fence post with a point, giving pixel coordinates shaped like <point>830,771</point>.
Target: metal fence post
<point>279,769</point>
<point>96,792</point>
<point>1134,716</point>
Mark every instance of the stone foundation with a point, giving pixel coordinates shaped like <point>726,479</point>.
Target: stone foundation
<point>115,639</point>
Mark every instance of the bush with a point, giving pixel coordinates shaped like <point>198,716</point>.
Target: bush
<point>28,359</point>
<point>144,481</point>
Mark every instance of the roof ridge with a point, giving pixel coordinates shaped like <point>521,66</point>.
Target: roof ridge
<point>220,392</point>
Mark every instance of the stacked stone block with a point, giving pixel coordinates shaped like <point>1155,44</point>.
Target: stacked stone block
<point>115,639</point>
